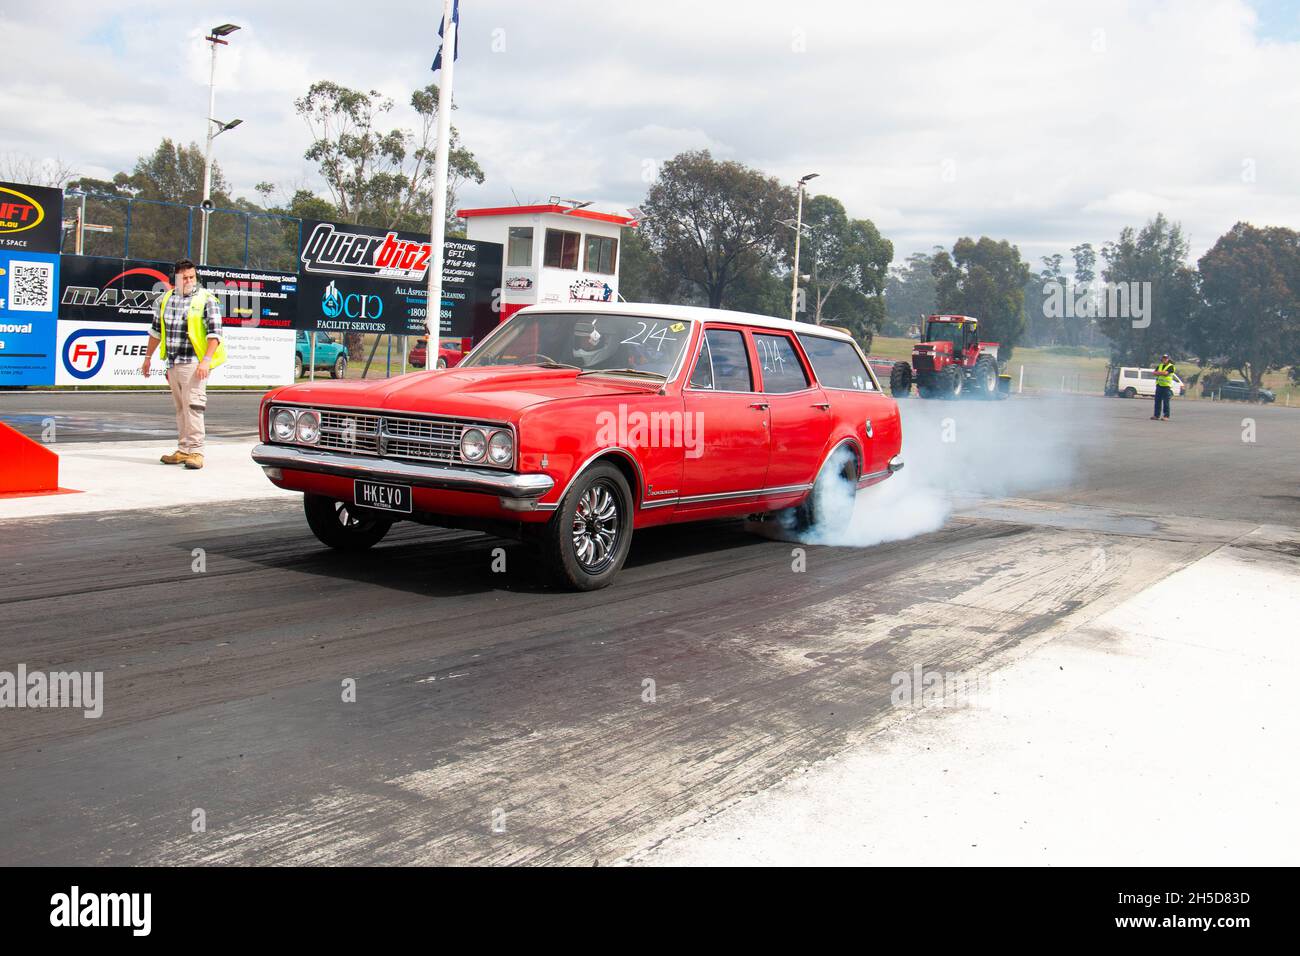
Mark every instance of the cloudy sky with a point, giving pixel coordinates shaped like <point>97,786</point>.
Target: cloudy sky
<point>1019,120</point>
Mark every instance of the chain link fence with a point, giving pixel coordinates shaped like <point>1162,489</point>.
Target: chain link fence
<point>100,225</point>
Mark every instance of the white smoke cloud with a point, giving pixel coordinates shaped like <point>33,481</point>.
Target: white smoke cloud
<point>954,450</point>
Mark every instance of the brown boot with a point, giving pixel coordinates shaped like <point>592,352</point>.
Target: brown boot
<point>194,462</point>
<point>175,458</point>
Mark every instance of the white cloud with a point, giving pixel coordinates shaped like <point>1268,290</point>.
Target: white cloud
<point>1043,124</point>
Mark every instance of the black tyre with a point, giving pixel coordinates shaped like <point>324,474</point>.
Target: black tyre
<point>343,526</point>
<point>949,382</point>
<point>984,378</point>
<point>340,368</point>
<point>442,362</point>
<point>297,365</point>
<point>830,503</point>
<point>926,385</point>
<point>1129,392</point>
<point>900,380</point>
<point>586,542</point>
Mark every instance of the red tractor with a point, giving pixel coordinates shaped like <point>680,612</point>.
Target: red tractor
<point>950,361</point>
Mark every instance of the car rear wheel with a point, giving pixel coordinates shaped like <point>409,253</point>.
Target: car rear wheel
<point>829,506</point>
<point>297,366</point>
<point>442,362</point>
<point>587,540</point>
<point>1129,392</point>
<point>340,368</point>
<point>342,525</point>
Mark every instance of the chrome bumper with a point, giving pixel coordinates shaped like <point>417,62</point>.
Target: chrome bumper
<point>894,465</point>
<point>443,477</point>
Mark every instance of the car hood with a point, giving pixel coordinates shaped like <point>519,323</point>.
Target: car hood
<point>498,392</point>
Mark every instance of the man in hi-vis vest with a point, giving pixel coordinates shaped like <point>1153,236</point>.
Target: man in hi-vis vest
<point>188,327</point>
<point>1164,388</point>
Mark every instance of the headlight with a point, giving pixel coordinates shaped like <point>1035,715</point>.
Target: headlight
<point>308,427</point>
<point>282,424</point>
<point>501,448</point>
<point>472,445</point>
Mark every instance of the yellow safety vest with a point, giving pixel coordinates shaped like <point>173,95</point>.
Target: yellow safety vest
<point>1165,374</point>
<point>197,327</point>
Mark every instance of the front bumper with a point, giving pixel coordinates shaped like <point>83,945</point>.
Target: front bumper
<point>416,474</point>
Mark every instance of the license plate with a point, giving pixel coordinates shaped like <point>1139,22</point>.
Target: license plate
<point>381,496</point>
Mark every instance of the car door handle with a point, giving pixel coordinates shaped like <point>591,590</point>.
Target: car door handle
<point>759,405</point>
<point>824,406</point>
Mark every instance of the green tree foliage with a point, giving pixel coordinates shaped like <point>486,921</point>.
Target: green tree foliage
<point>843,255</point>
<point>985,279</point>
<point>379,177</point>
<point>641,276</point>
<point>1156,256</point>
<point>1249,320</point>
<point>714,224</point>
<point>1041,326</point>
<point>910,290</point>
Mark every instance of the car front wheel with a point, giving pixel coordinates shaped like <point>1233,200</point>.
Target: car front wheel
<point>587,540</point>
<point>343,526</point>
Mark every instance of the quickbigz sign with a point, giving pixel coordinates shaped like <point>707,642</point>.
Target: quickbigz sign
<point>359,279</point>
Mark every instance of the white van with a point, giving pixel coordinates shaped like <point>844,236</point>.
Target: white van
<point>1132,382</point>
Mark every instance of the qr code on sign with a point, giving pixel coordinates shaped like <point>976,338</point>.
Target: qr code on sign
<point>31,286</point>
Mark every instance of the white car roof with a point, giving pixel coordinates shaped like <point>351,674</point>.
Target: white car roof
<point>688,313</point>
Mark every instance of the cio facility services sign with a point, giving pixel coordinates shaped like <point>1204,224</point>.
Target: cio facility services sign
<point>358,279</point>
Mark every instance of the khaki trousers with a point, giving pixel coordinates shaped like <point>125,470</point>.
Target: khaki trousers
<point>191,399</point>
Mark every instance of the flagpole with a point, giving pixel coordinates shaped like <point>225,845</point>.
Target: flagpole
<point>438,225</point>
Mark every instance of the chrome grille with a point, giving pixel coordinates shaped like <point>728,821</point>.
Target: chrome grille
<point>345,431</point>
<point>396,436</point>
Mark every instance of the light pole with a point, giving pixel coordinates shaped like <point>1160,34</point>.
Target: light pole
<point>798,229</point>
<point>215,129</point>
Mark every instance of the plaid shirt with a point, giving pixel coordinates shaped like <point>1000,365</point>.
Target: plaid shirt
<point>179,348</point>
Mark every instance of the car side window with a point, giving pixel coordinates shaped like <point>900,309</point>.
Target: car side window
<point>782,370</point>
<point>837,363</point>
<point>728,362</point>
<point>702,376</point>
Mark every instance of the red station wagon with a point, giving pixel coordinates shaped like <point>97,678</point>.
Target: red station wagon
<point>573,425</point>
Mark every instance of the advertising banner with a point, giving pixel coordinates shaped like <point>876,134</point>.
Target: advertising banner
<point>29,283</point>
<point>31,218</point>
<point>111,353</point>
<point>359,279</point>
<point>99,289</point>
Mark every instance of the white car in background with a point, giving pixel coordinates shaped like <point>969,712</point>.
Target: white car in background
<point>1132,382</point>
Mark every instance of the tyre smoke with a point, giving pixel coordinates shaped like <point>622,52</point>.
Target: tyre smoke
<point>953,450</point>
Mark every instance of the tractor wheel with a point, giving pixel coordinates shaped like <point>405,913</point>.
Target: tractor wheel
<point>900,380</point>
<point>984,378</point>
<point>949,382</point>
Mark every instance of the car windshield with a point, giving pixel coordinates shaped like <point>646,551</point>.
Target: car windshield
<point>587,341</point>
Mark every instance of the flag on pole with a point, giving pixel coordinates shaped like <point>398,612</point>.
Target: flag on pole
<point>455,16</point>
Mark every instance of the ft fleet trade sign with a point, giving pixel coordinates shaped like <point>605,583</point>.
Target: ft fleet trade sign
<point>31,223</point>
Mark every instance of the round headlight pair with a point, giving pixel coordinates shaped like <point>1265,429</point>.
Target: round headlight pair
<point>289,424</point>
<point>476,446</point>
